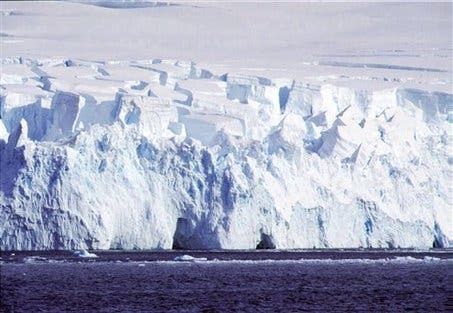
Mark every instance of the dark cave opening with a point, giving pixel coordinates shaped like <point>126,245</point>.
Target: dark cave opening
<point>265,243</point>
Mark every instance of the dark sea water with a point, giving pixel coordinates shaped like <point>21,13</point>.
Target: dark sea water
<point>285,281</point>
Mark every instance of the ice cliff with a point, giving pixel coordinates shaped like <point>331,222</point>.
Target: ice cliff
<point>165,154</point>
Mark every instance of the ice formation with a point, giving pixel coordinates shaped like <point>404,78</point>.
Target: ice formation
<point>188,258</point>
<point>166,154</point>
<point>84,254</point>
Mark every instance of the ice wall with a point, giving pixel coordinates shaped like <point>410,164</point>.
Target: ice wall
<point>247,162</point>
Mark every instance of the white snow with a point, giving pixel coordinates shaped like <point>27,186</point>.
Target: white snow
<point>233,126</point>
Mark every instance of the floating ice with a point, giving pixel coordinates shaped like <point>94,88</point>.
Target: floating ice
<point>84,254</point>
<point>35,259</point>
<point>188,258</point>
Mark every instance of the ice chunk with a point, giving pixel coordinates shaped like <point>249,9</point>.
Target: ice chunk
<point>35,259</point>
<point>3,132</point>
<point>19,137</point>
<point>188,258</point>
<point>205,126</point>
<point>301,99</point>
<point>65,110</point>
<point>84,254</point>
<point>341,141</point>
<point>153,115</point>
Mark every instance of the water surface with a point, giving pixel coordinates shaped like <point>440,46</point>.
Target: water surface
<point>320,281</point>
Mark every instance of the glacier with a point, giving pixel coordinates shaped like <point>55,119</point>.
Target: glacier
<point>161,154</point>
<point>217,125</point>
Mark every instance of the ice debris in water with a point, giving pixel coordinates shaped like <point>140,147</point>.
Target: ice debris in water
<point>35,259</point>
<point>84,254</point>
<point>188,258</point>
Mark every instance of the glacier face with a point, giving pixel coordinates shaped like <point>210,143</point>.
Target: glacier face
<point>165,154</point>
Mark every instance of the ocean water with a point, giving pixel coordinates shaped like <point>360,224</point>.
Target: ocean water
<point>261,281</point>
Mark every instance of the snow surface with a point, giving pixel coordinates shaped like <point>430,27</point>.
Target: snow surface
<point>231,126</point>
